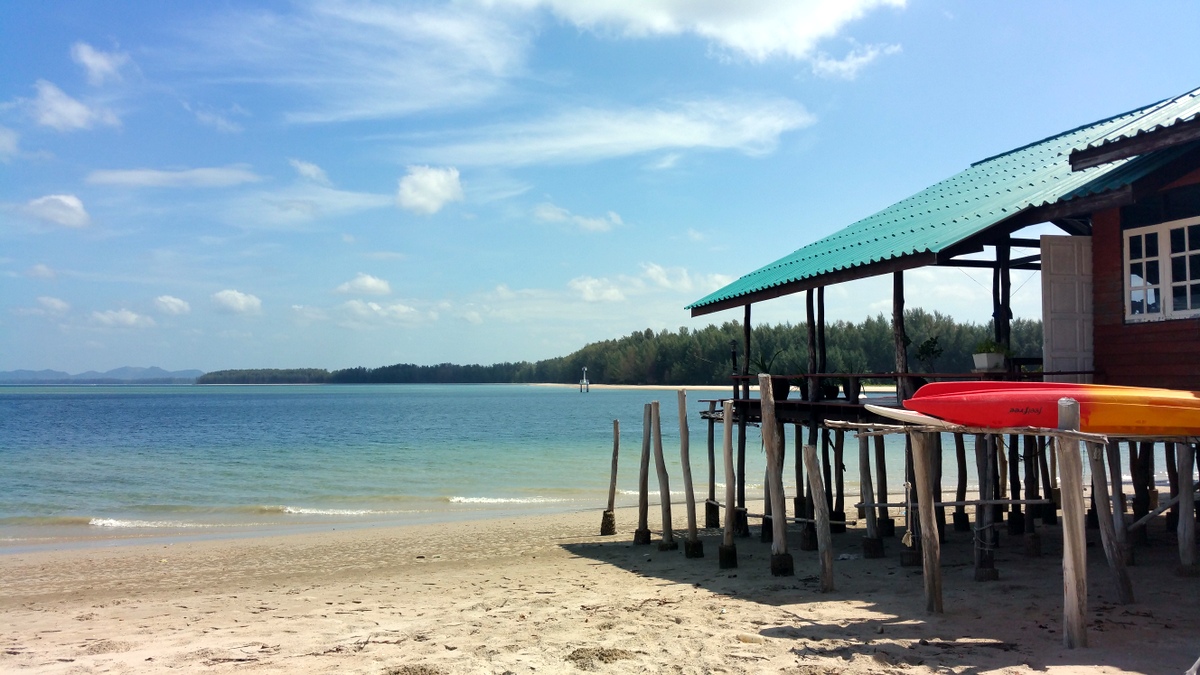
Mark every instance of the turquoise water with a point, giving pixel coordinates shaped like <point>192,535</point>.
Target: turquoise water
<point>104,463</point>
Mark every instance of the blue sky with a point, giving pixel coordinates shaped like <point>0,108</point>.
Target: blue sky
<point>332,184</point>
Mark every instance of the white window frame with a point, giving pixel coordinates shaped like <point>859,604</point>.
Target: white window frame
<point>1164,289</point>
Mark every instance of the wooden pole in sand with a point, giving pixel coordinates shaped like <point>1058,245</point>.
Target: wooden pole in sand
<point>1108,534</point>
<point>668,542</point>
<point>1113,455</point>
<point>608,522</point>
<point>727,551</point>
<point>887,525</point>
<point>712,510</point>
<point>985,553</point>
<point>642,534</point>
<point>781,561</point>
<point>1185,456</point>
<point>1074,538</point>
<point>692,546</point>
<point>962,522</point>
<point>930,546</point>
<point>872,543</point>
<point>821,513</point>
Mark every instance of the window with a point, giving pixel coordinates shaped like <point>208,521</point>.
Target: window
<point>1162,278</point>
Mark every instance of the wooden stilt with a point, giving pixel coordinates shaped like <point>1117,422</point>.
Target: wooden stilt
<point>668,542</point>
<point>692,546</point>
<point>910,553</point>
<point>781,560</point>
<point>821,508</point>
<point>1121,532</point>
<point>985,554</point>
<point>712,510</point>
<point>608,521</point>
<point>1049,511</point>
<point>872,543</point>
<point>1173,486</point>
<point>962,522</point>
<point>727,551</point>
<point>935,460</point>
<point>1140,472</point>
<point>838,516</point>
<point>1016,516</point>
<point>642,534</point>
<point>1074,538</point>
<point>798,500</point>
<point>1033,541</point>
<point>766,531</point>
<point>922,448</point>
<point>1185,457</point>
<point>1108,535</point>
<point>887,526</point>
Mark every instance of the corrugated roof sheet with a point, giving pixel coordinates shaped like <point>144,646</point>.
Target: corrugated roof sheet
<point>1158,116</point>
<point>965,204</point>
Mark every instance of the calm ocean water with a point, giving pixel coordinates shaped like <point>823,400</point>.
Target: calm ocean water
<point>108,463</point>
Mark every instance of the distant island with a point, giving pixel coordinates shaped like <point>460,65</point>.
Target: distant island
<point>937,343</point>
<point>126,375</point>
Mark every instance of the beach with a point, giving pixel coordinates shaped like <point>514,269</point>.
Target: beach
<point>547,594</point>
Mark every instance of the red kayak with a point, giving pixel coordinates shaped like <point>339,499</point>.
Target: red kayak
<point>1104,409</point>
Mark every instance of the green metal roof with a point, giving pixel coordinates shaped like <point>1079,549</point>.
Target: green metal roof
<point>964,205</point>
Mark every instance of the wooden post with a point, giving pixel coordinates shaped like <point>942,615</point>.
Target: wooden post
<point>1185,456</point>
<point>962,522</point>
<point>1016,516</point>
<point>824,538</point>
<point>1108,535</point>
<point>608,522</point>
<point>935,460</point>
<point>887,524</point>
<point>727,551</point>
<point>781,560</point>
<point>1074,538</point>
<point>1050,511</point>
<point>872,543</point>
<point>741,525</point>
<point>692,546</point>
<point>839,483</point>
<point>1173,485</point>
<point>642,534</point>
<point>903,386</point>
<point>930,547</point>
<point>712,510</point>
<point>1033,541</point>
<point>1121,532</point>
<point>985,553</point>
<point>668,542</point>
<point>767,531</point>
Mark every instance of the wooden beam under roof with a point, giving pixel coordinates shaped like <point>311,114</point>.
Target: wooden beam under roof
<point>1131,146</point>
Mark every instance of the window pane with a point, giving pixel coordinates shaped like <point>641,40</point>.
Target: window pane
<point>1152,245</point>
<point>1179,300</point>
<point>1177,240</point>
<point>1152,306</point>
<point>1194,261</point>
<point>1135,274</point>
<point>1135,247</point>
<point>1194,237</point>
<point>1195,296</point>
<point>1178,270</point>
<point>1136,302</point>
<point>1152,272</point>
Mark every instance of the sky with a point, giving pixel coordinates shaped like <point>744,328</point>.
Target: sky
<point>334,184</point>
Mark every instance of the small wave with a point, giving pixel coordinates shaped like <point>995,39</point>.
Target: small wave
<point>121,523</point>
<point>43,521</point>
<point>299,510</point>
<point>505,500</point>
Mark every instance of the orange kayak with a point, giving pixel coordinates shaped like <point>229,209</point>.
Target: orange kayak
<point>1103,409</point>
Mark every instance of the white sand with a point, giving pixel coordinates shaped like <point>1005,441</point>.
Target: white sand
<point>548,595</point>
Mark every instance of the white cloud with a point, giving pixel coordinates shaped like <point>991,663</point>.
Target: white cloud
<point>41,271</point>
<point>100,66</point>
<point>848,68</point>
<point>592,289</point>
<point>309,171</point>
<point>359,309</point>
<point>9,142</point>
<point>168,304</point>
<point>66,210</point>
<point>550,213</point>
<point>591,134</point>
<point>696,235</point>
<point>301,203</point>
<point>208,177</point>
<point>306,314</point>
<point>680,280</point>
<point>753,29</point>
<point>53,108</point>
<point>426,189</point>
<point>365,283</point>
<point>361,60</point>
<point>237,302</point>
<point>54,305</point>
<point>123,317</point>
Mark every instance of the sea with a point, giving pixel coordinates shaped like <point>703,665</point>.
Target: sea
<point>110,464</point>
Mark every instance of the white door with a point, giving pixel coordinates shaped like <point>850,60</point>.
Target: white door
<point>1067,306</point>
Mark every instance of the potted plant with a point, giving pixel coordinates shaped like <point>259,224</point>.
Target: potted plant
<point>780,385</point>
<point>989,355</point>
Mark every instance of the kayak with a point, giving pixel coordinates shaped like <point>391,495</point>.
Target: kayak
<point>1103,409</point>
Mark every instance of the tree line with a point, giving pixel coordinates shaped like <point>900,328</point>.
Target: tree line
<point>935,343</point>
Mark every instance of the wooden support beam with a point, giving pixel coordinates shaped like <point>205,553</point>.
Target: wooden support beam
<point>872,543</point>
<point>962,523</point>
<point>1108,535</point>
<point>692,546</point>
<point>887,524</point>
<point>922,448</point>
<point>781,560</point>
<point>985,554</point>
<point>824,538</point>
<point>899,340</point>
<point>1185,456</point>
<point>668,542</point>
<point>712,511</point>
<point>608,521</point>
<point>642,534</point>
<point>1074,538</point>
<point>727,552</point>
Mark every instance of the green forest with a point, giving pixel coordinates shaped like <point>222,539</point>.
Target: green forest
<point>936,343</point>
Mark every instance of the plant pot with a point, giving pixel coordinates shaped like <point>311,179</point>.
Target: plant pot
<point>780,386</point>
<point>988,361</point>
<point>852,388</point>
